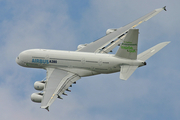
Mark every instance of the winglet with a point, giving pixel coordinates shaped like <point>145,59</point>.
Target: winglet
<point>45,107</point>
<point>165,8</point>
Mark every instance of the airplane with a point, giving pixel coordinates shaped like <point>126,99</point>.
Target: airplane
<point>64,68</point>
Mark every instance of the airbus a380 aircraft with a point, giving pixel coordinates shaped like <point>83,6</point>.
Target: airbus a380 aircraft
<point>65,67</point>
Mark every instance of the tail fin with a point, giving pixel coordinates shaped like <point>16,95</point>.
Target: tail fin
<point>128,48</point>
<point>150,52</point>
<point>127,70</point>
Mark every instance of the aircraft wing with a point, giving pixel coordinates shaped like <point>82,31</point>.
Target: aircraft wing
<point>110,41</point>
<point>57,82</point>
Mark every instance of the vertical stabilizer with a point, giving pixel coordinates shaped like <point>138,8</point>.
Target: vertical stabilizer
<point>128,48</point>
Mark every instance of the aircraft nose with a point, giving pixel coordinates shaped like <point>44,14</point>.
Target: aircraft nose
<point>17,60</point>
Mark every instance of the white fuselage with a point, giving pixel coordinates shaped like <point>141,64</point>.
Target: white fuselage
<point>81,63</point>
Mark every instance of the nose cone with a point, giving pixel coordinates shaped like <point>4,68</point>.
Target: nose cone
<point>20,59</point>
<point>19,62</point>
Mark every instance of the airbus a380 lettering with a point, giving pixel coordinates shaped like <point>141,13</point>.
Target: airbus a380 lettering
<point>65,67</point>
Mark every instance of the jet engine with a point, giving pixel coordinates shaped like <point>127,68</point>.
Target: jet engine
<point>39,85</point>
<point>37,97</point>
<point>81,46</point>
<point>108,31</point>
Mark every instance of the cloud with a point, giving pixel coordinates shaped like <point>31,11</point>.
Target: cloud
<point>150,93</point>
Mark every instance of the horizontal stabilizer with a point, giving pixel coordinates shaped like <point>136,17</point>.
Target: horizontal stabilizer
<point>150,52</point>
<point>127,71</point>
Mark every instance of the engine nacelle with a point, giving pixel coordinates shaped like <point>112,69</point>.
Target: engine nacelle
<point>81,46</point>
<point>37,97</point>
<point>108,31</point>
<point>39,85</point>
